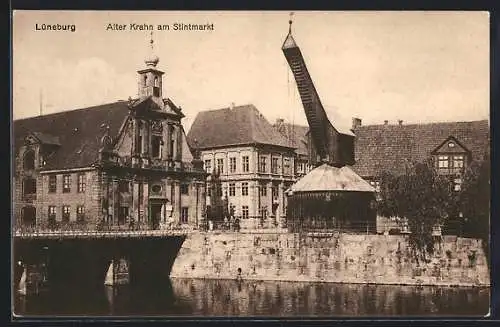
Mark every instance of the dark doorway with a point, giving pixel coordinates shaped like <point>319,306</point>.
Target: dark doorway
<point>155,215</point>
<point>29,216</point>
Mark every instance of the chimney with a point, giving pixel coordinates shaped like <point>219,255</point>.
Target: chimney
<point>400,122</point>
<point>231,106</point>
<point>386,122</point>
<point>356,122</point>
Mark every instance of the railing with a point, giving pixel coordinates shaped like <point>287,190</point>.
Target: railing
<point>153,164</point>
<point>104,230</point>
<point>355,227</point>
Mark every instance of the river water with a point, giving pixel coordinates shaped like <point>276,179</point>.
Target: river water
<point>191,298</point>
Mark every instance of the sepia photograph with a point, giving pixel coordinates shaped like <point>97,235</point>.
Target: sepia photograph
<point>288,164</point>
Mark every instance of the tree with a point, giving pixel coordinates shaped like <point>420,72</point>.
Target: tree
<point>219,204</point>
<point>475,200</point>
<point>422,197</point>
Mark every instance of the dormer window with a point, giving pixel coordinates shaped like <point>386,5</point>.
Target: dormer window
<point>451,157</point>
<point>29,160</point>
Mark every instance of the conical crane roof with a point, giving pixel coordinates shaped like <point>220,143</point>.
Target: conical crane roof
<point>327,178</point>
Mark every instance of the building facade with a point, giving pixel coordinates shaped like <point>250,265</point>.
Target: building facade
<point>296,137</point>
<point>122,164</point>
<point>452,146</point>
<point>250,163</point>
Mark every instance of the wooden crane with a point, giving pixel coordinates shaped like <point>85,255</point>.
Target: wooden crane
<point>326,143</point>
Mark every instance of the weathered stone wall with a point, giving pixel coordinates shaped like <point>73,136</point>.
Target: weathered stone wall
<point>344,258</point>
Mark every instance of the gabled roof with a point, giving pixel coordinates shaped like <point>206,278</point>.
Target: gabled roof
<point>79,132</point>
<point>45,138</point>
<point>329,178</point>
<point>389,147</point>
<point>295,134</point>
<point>162,105</point>
<point>233,126</point>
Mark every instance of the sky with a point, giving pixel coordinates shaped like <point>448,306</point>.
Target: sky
<point>410,66</point>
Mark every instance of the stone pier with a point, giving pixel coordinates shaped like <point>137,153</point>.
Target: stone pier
<point>118,273</point>
<point>32,279</point>
<point>330,257</point>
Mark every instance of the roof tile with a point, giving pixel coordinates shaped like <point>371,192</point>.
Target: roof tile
<point>233,126</point>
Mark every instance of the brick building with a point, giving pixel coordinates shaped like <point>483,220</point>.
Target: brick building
<point>393,147</point>
<point>253,162</point>
<point>113,163</point>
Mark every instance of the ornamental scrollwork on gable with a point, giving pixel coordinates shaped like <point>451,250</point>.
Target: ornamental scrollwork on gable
<point>157,126</point>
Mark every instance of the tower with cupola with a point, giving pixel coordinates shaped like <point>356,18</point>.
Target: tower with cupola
<point>150,78</point>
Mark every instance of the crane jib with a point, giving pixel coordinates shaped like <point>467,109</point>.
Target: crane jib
<point>315,113</point>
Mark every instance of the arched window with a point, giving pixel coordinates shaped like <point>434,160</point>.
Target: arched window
<point>145,79</point>
<point>29,160</point>
<point>157,82</point>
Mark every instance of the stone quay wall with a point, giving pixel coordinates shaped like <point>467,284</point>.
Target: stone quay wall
<point>333,257</point>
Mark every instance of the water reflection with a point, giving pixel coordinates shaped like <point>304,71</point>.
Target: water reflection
<point>190,297</point>
<point>231,298</point>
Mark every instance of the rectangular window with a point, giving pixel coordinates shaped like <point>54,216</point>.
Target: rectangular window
<point>156,91</point>
<point>139,146</point>
<point>232,189</point>
<point>275,192</point>
<point>80,213</point>
<point>171,149</point>
<point>458,161</point>
<point>184,215</point>
<point>124,186</point>
<point>232,165</point>
<point>52,213</point>
<point>141,194</point>
<point>29,186</point>
<point>457,184</point>
<point>81,183</point>
<point>52,184</point>
<point>245,164</point>
<point>244,188</point>
<point>156,146</point>
<point>65,213</point>
<point>208,166</point>
<point>274,165</point>
<point>244,212</point>
<point>263,190</point>
<point>375,185</point>
<point>220,166</point>
<point>263,212</point>
<point>286,166</point>
<point>122,215</point>
<point>209,190</point>
<point>66,183</point>
<point>443,162</point>
<point>262,164</point>
<point>219,190</point>
<point>185,189</point>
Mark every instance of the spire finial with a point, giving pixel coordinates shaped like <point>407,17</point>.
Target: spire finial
<point>290,22</point>
<point>152,59</point>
